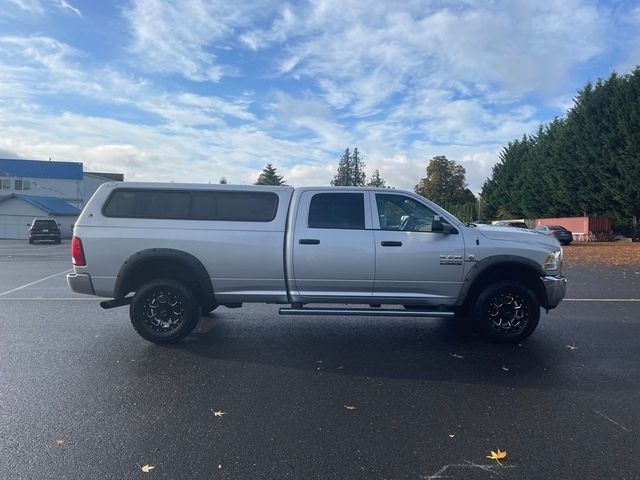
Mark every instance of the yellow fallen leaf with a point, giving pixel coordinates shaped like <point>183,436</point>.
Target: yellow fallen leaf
<point>497,456</point>
<point>217,413</point>
<point>147,468</point>
<point>59,442</point>
<point>349,407</point>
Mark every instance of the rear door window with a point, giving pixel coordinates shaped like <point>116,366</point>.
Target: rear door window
<point>337,210</point>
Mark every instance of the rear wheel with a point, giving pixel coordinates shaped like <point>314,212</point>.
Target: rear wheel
<point>507,311</point>
<point>164,311</point>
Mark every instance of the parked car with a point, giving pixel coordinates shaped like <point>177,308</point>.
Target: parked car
<point>563,235</point>
<point>172,252</point>
<point>44,229</point>
<point>507,223</point>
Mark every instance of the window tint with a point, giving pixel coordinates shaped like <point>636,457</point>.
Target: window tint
<point>45,223</point>
<point>148,204</point>
<point>234,206</point>
<point>397,212</point>
<point>195,205</point>
<point>337,210</point>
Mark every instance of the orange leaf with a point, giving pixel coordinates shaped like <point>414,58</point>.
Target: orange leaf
<point>497,456</point>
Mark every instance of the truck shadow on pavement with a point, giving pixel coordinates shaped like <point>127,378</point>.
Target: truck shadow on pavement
<point>375,347</point>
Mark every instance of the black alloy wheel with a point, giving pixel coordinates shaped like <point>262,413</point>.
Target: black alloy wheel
<point>507,311</point>
<point>164,311</point>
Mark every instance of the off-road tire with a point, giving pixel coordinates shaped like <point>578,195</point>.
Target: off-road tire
<point>507,311</point>
<point>164,311</point>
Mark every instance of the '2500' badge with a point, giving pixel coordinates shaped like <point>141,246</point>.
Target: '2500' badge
<point>450,259</point>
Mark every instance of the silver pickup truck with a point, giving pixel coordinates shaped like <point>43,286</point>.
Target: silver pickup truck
<point>174,251</point>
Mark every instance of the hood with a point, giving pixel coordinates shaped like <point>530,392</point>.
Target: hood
<point>517,235</point>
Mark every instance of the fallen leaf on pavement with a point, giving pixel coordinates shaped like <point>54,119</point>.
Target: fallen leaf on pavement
<point>350,407</point>
<point>217,413</point>
<point>451,435</point>
<point>455,355</point>
<point>497,456</point>
<point>147,468</point>
<point>572,347</point>
<point>505,368</point>
<point>59,442</point>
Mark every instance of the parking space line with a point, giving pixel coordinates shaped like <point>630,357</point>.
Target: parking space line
<point>601,300</point>
<point>42,299</point>
<point>33,283</point>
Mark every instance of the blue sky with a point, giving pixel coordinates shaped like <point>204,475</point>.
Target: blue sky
<point>197,90</point>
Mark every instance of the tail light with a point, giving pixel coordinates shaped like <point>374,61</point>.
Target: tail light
<point>77,252</point>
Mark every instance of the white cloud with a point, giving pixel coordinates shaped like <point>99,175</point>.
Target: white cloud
<point>181,38</point>
<point>30,6</point>
<point>68,7</point>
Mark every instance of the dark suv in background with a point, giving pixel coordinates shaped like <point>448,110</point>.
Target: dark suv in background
<point>563,235</point>
<point>44,229</point>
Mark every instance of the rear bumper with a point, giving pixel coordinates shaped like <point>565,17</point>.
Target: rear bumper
<point>43,236</point>
<point>80,283</point>
<point>555,289</point>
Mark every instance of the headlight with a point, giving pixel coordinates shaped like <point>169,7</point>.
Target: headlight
<point>553,261</point>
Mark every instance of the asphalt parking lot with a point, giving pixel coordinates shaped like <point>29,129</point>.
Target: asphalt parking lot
<point>82,396</point>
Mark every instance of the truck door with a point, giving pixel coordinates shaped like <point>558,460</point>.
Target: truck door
<point>333,249</point>
<point>412,261</point>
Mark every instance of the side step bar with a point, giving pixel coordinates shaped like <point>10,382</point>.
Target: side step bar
<point>107,304</point>
<point>365,312</point>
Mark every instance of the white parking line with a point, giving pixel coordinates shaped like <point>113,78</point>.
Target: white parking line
<point>33,283</point>
<point>601,300</point>
<point>47,299</point>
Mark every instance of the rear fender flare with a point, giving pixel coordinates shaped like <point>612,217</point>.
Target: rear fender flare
<point>166,254</point>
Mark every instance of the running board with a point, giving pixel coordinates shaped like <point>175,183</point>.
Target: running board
<point>365,312</point>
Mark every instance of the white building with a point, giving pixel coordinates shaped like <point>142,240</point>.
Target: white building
<point>44,189</point>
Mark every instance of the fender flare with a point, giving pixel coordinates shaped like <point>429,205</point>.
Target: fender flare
<point>158,254</point>
<point>496,261</point>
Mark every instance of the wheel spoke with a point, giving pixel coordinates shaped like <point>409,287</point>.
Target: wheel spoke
<point>507,313</point>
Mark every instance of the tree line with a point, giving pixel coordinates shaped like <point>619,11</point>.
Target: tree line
<point>444,182</point>
<point>586,163</point>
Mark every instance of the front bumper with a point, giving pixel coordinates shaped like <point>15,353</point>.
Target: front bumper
<point>555,289</point>
<point>80,283</point>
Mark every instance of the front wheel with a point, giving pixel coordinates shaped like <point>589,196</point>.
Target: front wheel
<point>507,311</point>
<point>164,311</point>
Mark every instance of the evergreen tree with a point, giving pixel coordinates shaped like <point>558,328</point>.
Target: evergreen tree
<point>445,182</point>
<point>223,180</point>
<point>350,170</point>
<point>344,175</point>
<point>377,180</point>
<point>586,163</point>
<point>357,167</point>
<point>269,176</point>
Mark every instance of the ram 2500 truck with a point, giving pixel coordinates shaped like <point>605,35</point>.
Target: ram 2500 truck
<point>174,251</point>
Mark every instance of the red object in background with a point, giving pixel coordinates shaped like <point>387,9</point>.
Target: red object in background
<point>77,252</point>
<point>580,226</point>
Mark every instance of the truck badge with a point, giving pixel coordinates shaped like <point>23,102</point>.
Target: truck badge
<point>450,259</point>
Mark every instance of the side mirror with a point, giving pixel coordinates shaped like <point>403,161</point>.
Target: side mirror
<point>442,226</point>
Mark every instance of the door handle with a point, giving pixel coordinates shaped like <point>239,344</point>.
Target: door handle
<point>309,241</point>
<point>391,244</point>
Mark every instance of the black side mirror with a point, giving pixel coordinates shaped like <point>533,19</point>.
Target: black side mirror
<point>436,224</point>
